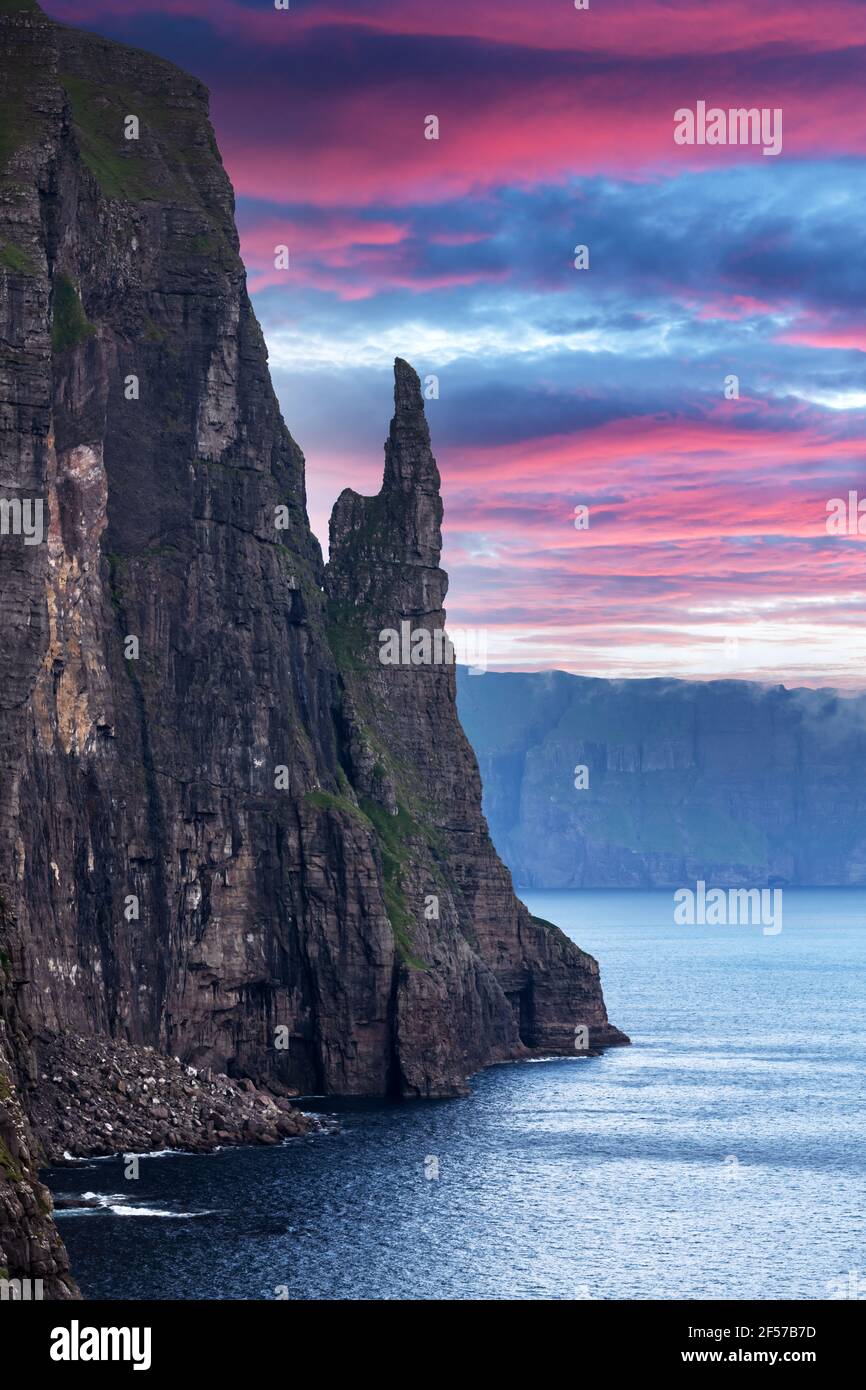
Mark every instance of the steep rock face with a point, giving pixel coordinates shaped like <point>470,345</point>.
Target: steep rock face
<point>33,1262</point>
<point>728,781</point>
<point>450,895</point>
<point>144,780</point>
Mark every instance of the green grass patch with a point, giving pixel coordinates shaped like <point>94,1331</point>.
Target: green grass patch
<point>395,832</point>
<point>395,835</point>
<point>328,801</point>
<point>166,163</point>
<point>15,259</point>
<point>205,245</point>
<point>348,640</point>
<point>9,1166</point>
<point>115,565</point>
<point>70,324</point>
<point>156,551</point>
<point>153,333</point>
<point>98,112</point>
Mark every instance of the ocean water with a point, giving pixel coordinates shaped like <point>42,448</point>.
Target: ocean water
<point>721,1156</point>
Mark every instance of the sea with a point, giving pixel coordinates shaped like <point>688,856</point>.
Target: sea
<point>720,1156</point>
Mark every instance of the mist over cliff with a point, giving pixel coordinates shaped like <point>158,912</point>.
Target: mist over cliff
<point>229,834</point>
<point>725,780</point>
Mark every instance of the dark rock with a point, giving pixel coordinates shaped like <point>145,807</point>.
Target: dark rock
<point>30,1247</point>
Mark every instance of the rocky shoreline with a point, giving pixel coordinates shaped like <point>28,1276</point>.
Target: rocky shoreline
<point>97,1096</point>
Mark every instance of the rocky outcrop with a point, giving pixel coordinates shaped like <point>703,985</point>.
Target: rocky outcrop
<point>728,781</point>
<point>223,822</point>
<point>33,1261</point>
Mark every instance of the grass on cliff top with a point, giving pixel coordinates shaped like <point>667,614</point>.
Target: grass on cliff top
<point>69,324</point>
<point>98,112</point>
<point>163,164</point>
<point>18,7</point>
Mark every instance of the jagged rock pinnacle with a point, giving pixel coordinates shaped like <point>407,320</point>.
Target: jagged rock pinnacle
<point>409,462</point>
<point>407,388</point>
<point>386,548</point>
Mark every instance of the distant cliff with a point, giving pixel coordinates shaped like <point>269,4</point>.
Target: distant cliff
<point>726,780</point>
<point>227,830</point>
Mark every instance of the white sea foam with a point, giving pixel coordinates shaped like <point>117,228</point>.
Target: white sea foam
<point>119,1205</point>
<point>150,1211</point>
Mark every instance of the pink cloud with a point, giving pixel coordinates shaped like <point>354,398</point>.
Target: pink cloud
<point>374,150</point>
<point>655,28</point>
<point>350,256</point>
<point>826,337</point>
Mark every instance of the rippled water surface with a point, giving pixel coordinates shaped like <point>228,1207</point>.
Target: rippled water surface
<point>721,1156</point>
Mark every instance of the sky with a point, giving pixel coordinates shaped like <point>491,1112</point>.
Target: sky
<point>706,552</point>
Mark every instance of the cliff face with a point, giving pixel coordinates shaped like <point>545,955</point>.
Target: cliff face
<point>31,1251</point>
<point>728,781</point>
<point>220,816</point>
<point>152,777</point>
